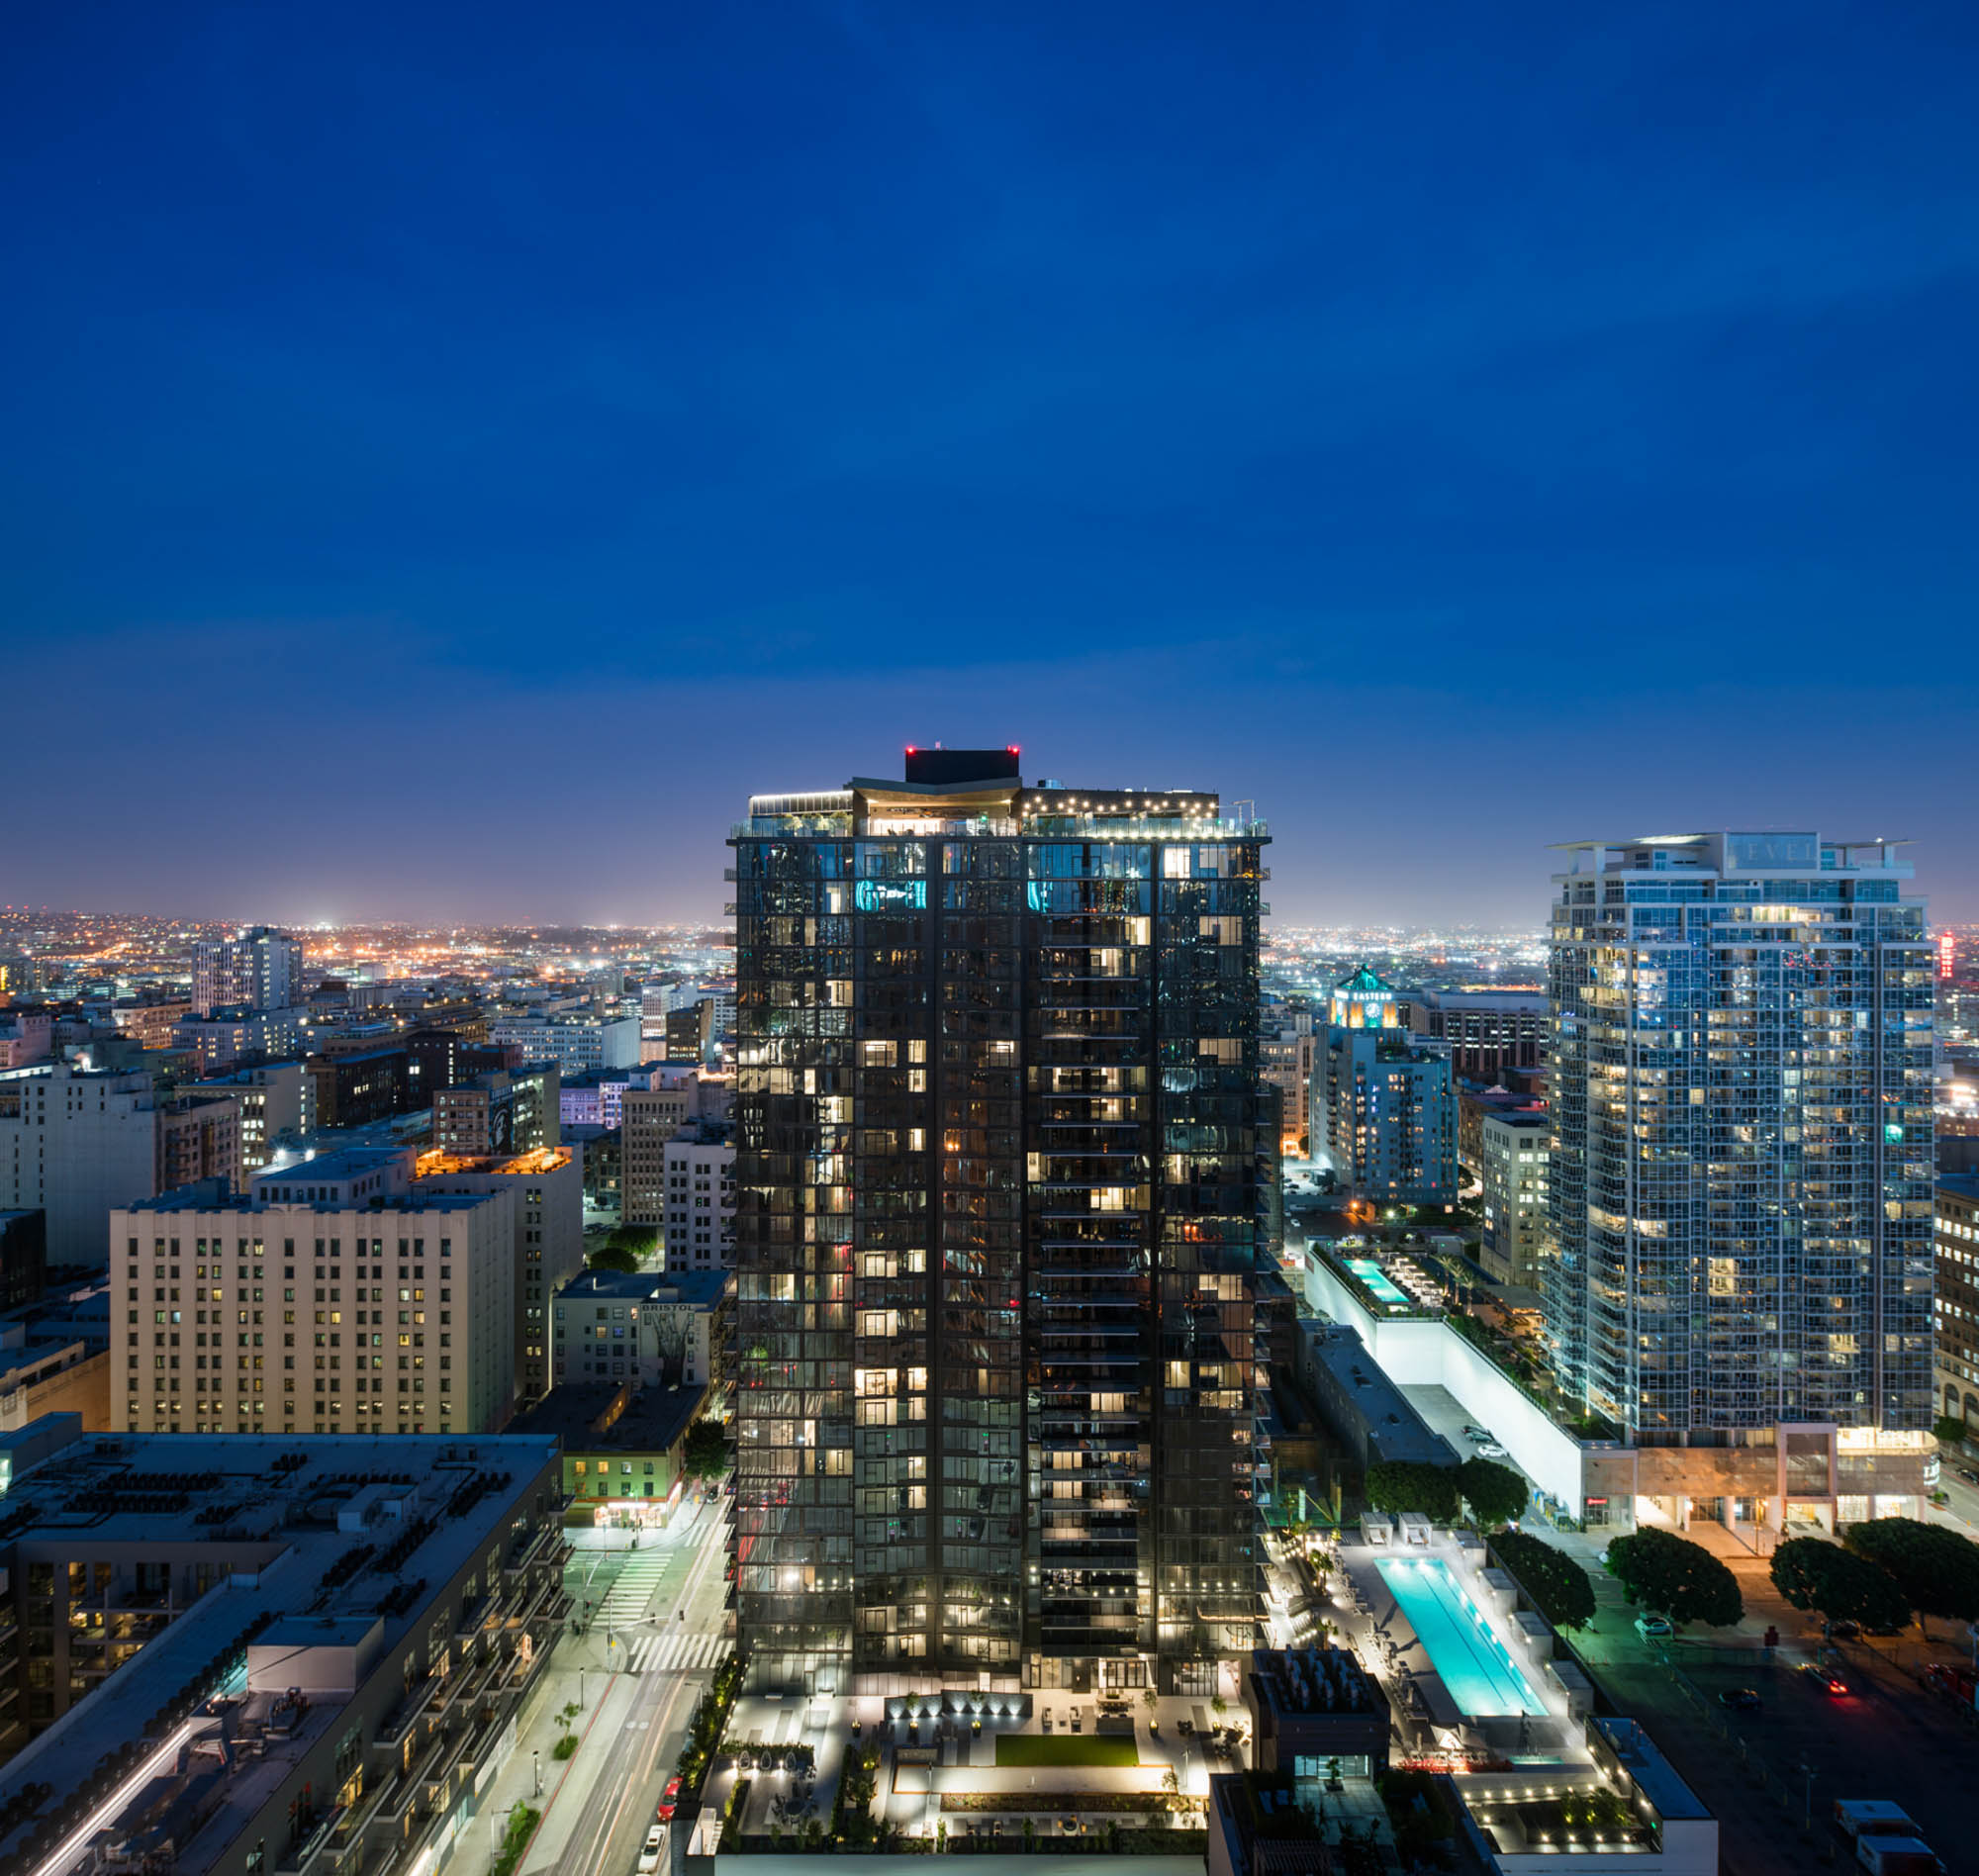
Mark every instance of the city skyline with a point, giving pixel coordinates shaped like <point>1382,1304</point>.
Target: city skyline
<point>1528,402</point>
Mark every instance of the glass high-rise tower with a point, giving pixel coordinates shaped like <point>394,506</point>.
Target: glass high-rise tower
<point>998,1209</point>
<point>1741,1184</point>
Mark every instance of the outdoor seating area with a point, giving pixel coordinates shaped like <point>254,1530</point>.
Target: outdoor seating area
<point>798,1772</point>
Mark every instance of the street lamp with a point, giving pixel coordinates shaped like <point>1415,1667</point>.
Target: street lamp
<point>536,1764</point>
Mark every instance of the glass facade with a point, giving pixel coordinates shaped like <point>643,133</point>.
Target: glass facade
<point>997,1210</point>
<point>1740,1174</point>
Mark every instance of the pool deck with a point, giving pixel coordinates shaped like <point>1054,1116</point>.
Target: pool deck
<point>1382,1636</point>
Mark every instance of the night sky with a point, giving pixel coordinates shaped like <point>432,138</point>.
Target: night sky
<point>452,455</point>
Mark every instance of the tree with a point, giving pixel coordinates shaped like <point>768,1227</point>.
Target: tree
<point>1495,1493</point>
<point>1559,1588</point>
<point>614,1257</point>
<point>1950,1428</point>
<point>1676,1578</point>
<point>1402,1485</point>
<point>1812,1574</point>
<point>1936,1568</point>
<point>706,1451</point>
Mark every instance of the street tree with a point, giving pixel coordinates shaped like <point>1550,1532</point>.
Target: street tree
<point>1496,1494</point>
<point>1558,1585</point>
<point>1676,1578</point>
<point>1936,1568</point>
<point>1403,1485</point>
<point>706,1451</point>
<point>1812,1574</point>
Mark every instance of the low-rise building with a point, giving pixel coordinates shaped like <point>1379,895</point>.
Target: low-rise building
<point>1365,1412</point>
<point>649,1328</point>
<point>622,1447</point>
<point>1314,1709</point>
<point>276,1658</point>
<point>50,1366</point>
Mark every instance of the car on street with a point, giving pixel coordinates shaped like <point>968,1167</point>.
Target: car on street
<point>655,1848</point>
<point>1741,1699</point>
<point>1654,1628</point>
<point>1476,1435</point>
<point>1842,1631</point>
<point>669,1799</point>
<point>1826,1679</point>
<point>1491,1449</point>
<point>1969,1475</point>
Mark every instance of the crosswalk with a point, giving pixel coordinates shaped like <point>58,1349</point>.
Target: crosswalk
<point>632,1589</point>
<point>655,1653</point>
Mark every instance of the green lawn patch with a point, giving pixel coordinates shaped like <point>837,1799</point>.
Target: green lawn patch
<point>1064,1748</point>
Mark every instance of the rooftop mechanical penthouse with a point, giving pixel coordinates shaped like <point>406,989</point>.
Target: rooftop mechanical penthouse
<point>998,1208</point>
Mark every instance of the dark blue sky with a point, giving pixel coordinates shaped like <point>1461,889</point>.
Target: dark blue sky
<point>452,455</point>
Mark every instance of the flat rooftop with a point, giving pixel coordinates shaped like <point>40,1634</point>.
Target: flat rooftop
<point>652,1421</point>
<point>1656,1777</point>
<point>192,1198</point>
<point>700,1288</point>
<point>269,1506</point>
<point>519,1165</point>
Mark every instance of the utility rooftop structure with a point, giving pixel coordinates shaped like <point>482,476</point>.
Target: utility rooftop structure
<point>262,1653</point>
<point>1740,1186</point>
<point>998,1208</point>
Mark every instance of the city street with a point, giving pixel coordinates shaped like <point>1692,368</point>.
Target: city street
<point>638,1680</point>
<point>1767,1773</point>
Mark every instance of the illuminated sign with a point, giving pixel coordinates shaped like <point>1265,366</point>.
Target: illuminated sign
<point>1947,955</point>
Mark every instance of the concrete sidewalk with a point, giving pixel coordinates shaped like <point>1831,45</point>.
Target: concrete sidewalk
<point>537,1733</point>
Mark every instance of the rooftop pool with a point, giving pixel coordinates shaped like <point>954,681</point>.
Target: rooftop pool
<point>1379,1282</point>
<point>1483,1679</point>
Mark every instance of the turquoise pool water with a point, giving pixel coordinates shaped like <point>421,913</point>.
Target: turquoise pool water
<point>1483,1678</point>
<point>1379,1280</point>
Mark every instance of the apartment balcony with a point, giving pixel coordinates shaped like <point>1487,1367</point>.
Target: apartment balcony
<point>400,1721</point>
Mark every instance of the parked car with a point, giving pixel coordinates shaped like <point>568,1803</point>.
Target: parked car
<point>655,1849</point>
<point>1741,1699</point>
<point>1491,1449</point>
<point>1654,1628</point>
<point>1826,1679</point>
<point>669,1799</point>
<point>1842,1631</point>
<point>1969,1475</point>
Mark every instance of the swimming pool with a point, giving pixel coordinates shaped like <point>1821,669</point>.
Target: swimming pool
<point>1379,1282</point>
<point>1483,1679</point>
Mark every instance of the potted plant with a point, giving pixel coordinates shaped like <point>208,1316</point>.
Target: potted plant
<point>1150,1700</point>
